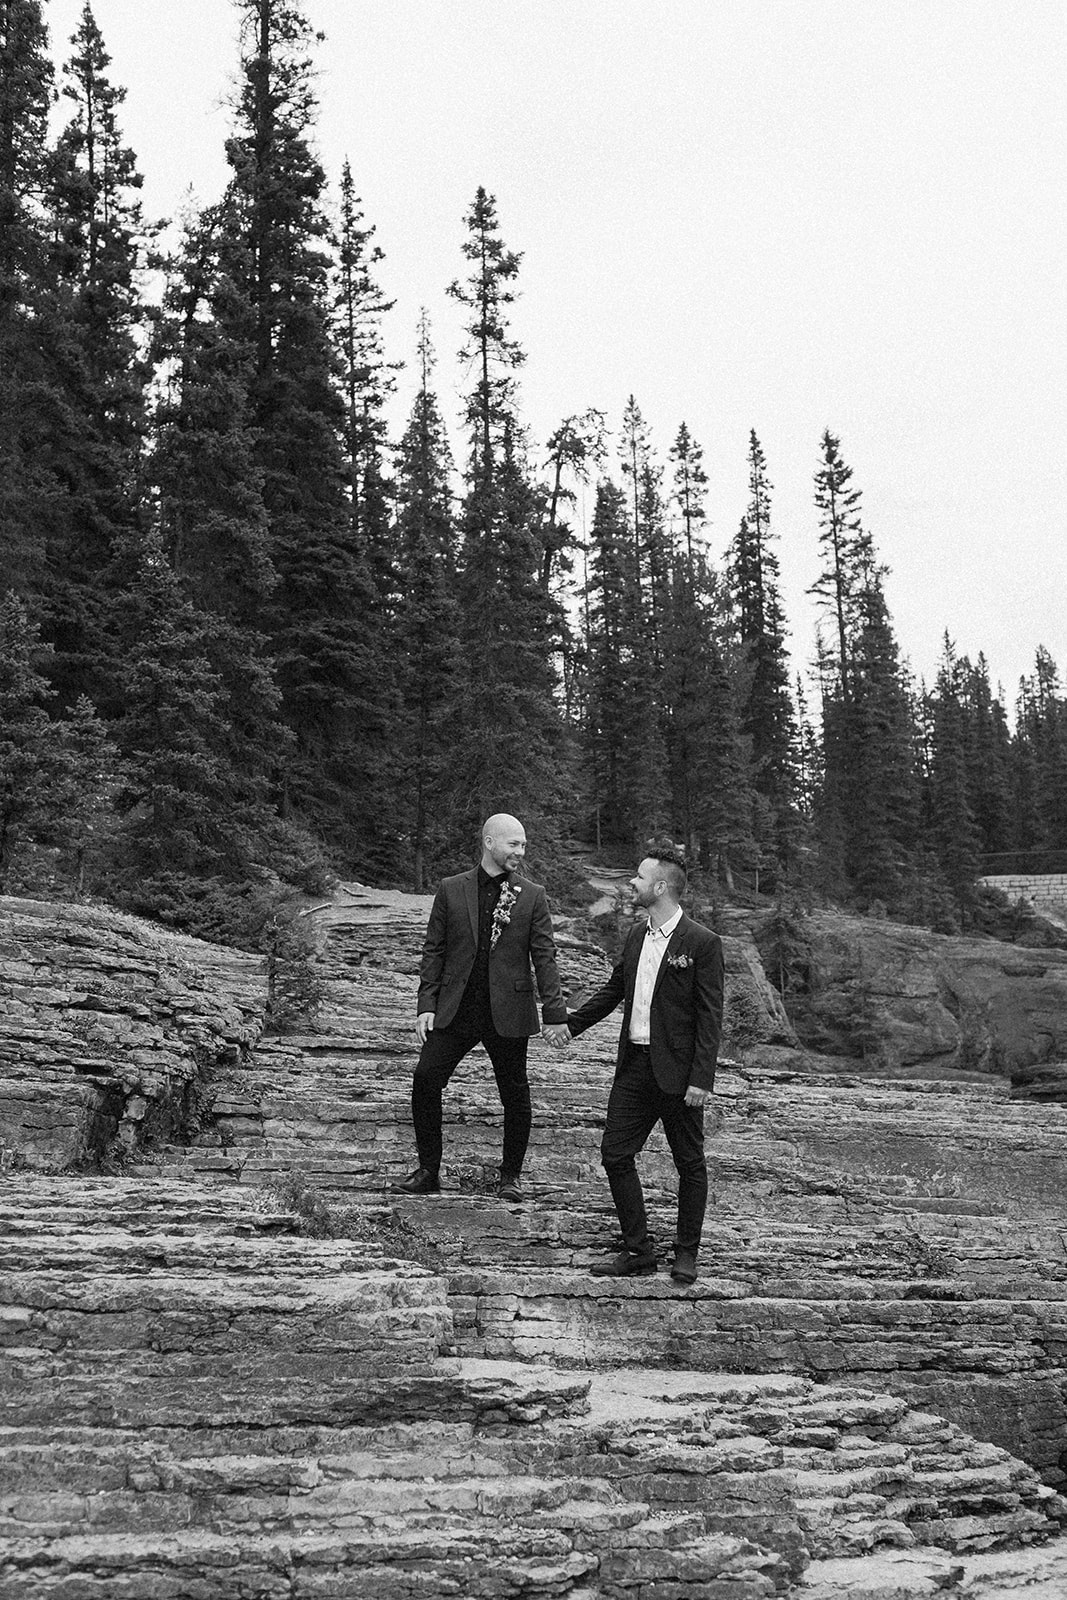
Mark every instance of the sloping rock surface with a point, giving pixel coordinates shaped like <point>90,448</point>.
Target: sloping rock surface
<point>863,1395</point>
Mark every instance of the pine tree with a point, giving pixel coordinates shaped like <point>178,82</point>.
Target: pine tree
<point>767,715</point>
<point>955,836</point>
<point>842,542</point>
<point>25,735</point>
<point>30,496</point>
<point>428,629</point>
<point>184,830</point>
<point>713,800</point>
<point>274,246</point>
<point>868,808</point>
<point>624,749</point>
<point>988,756</point>
<point>211,522</point>
<point>508,724</point>
<point>690,488</point>
<point>1042,722</point>
<point>575,449</point>
<point>367,381</point>
<point>97,434</point>
<point>57,778</point>
<point>883,815</point>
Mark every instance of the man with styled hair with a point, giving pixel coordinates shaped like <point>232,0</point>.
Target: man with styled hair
<point>670,983</point>
<point>487,929</point>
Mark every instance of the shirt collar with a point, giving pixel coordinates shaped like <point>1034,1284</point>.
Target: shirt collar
<point>665,929</point>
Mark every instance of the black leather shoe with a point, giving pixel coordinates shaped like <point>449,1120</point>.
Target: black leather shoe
<point>508,1189</point>
<point>421,1181</point>
<point>626,1264</point>
<point>684,1266</point>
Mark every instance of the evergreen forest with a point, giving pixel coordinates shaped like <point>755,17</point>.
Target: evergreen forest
<point>249,641</point>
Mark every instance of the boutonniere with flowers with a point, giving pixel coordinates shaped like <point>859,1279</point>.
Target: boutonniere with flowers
<point>681,961</point>
<point>504,906</point>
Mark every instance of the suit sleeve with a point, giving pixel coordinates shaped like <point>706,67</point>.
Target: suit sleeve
<point>708,999</point>
<point>602,1003</point>
<point>433,955</point>
<point>543,956</point>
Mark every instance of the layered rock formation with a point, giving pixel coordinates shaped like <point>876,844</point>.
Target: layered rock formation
<point>110,1029</point>
<point>862,1396</point>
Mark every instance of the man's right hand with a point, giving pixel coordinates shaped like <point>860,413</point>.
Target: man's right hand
<point>423,1025</point>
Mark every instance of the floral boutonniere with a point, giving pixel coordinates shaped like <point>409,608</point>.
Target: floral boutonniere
<point>502,915</point>
<point>681,961</point>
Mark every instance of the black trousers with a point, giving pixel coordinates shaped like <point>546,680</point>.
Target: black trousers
<point>635,1105</point>
<point>440,1056</point>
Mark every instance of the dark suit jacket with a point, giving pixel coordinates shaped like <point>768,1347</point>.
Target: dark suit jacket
<point>452,943</point>
<point>686,1015</point>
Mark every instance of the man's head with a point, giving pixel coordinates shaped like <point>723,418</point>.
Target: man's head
<point>660,879</point>
<point>503,844</point>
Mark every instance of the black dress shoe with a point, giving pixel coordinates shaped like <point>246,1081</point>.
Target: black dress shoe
<point>421,1181</point>
<point>508,1189</point>
<point>684,1267</point>
<point>627,1264</point>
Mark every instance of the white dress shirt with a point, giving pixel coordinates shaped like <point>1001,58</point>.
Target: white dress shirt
<point>653,949</point>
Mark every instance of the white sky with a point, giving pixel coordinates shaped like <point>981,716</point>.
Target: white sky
<point>771,214</point>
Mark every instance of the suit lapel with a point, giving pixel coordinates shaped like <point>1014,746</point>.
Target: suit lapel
<point>470,894</point>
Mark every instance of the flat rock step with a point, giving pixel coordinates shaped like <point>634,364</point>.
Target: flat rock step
<point>548,1483</point>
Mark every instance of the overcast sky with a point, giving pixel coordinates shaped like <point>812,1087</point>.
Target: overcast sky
<point>771,214</point>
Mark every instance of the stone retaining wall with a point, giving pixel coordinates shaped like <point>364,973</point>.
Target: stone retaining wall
<point>1036,886</point>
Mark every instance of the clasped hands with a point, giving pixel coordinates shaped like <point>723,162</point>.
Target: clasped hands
<point>558,1034</point>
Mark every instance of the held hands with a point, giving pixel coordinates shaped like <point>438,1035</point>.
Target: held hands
<point>558,1034</point>
<point>423,1025</point>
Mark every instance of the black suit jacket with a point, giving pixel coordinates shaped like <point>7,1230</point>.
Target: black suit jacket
<point>525,940</point>
<point>686,1015</point>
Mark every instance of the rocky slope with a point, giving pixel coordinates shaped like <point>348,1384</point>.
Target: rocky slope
<point>863,1395</point>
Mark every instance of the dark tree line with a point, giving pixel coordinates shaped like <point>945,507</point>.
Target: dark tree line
<point>249,639</point>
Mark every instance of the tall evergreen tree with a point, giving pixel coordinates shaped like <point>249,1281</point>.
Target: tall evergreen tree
<point>428,632</point>
<point>367,380</point>
<point>30,496</point>
<point>955,836</point>
<point>842,543</point>
<point>713,800</point>
<point>625,753</point>
<point>212,524</point>
<point>988,755</point>
<point>509,727</point>
<point>100,243</point>
<point>767,715</point>
<point>274,246</point>
<point>690,489</point>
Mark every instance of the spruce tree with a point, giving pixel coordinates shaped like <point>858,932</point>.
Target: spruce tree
<point>427,630</point>
<point>868,808</point>
<point>624,747</point>
<point>274,246</point>
<point>988,756</point>
<point>367,381</point>
<point>25,735</point>
<point>841,542</point>
<point>713,799</point>
<point>30,495</point>
<point>955,836</point>
<point>690,489</point>
<point>57,777</point>
<point>211,522</point>
<point>767,715</point>
<point>97,434</point>
<point>509,731</point>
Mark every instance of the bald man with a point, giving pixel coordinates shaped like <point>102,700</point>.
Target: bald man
<point>488,928</point>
